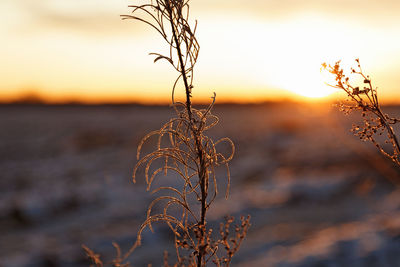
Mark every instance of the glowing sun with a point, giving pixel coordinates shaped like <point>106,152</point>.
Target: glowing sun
<point>308,83</point>
<point>292,59</point>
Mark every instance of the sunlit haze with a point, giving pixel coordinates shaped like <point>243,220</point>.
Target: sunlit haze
<point>66,50</point>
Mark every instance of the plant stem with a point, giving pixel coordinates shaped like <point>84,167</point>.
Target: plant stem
<point>197,138</point>
<point>180,56</point>
<point>392,136</point>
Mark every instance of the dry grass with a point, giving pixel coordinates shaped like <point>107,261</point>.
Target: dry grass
<point>365,100</point>
<point>184,149</point>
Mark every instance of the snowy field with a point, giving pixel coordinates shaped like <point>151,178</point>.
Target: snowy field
<point>316,194</point>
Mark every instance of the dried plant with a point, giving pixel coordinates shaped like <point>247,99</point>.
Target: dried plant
<point>184,150</point>
<point>365,99</point>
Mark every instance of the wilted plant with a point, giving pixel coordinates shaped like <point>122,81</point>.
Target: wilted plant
<point>184,149</point>
<point>365,99</point>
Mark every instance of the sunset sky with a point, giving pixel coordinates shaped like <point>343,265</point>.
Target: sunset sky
<point>82,50</point>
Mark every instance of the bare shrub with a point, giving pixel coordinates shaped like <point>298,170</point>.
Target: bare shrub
<point>365,100</point>
<point>186,151</point>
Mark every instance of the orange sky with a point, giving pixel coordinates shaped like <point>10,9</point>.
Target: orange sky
<point>81,50</point>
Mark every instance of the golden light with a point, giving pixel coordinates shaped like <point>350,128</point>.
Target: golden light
<point>308,81</point>
<point>305,42</point>
<point>59,51</point>
<point>285,55</point>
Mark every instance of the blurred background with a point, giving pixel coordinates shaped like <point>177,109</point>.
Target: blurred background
<point>78,93</point>
<point>63,50</point>
<point>317,195</point>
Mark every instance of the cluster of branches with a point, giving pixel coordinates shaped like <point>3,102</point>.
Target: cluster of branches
<point>170,20</point>
<point>365,99</point>
<point>189,154</point>
<point>181,156</point>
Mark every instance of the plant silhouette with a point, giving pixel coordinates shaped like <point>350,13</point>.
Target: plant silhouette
<point>365,99</point>
<point>184,150</point>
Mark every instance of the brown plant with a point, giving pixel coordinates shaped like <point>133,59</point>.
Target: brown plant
<point>365,99</point>
<point>184,149</point>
